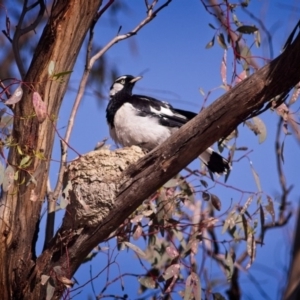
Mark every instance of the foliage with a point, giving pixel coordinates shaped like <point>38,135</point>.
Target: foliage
<point>174,232</point>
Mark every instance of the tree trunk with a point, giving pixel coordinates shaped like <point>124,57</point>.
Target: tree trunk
<point>21,271</point>
<point>60,42</point>
<point>292,291</point>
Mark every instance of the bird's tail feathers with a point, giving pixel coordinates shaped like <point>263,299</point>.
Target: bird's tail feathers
<point>215,162</point>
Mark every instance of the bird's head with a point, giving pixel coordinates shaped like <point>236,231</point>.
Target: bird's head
<point>123,83</point>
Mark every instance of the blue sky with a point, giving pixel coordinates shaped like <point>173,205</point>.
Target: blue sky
<point>170,53</point>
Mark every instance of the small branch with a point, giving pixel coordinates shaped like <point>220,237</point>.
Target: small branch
<point>282,179</point>
<point>86,73</point>
<point>50,216</point>
<point>119,38</point>
<point>53,196</point>
<point>5,89</point>
<point>21,31</point>
<point>97,17</point>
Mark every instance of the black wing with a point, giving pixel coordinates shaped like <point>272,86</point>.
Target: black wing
<point>163,111</point>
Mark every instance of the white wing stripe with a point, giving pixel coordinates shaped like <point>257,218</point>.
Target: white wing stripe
<point>166,111</point>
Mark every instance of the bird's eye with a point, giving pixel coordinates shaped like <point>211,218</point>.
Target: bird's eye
<point>122,81</point>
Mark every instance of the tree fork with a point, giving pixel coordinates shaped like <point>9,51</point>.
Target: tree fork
<point>60,42</point>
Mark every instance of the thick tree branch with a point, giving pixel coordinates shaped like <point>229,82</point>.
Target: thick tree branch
<point>84,79</point>
<point>68,248</point>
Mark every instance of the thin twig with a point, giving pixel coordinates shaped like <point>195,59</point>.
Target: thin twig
<point>21,31</point>
<point>49,230</point>
<point>118,38</point>
<point>279,156</point>
<point>53,196</point>
<point>89,64</point>
<point>97,17</point>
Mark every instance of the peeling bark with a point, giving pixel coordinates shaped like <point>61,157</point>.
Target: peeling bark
<point>99,204</point>
<point>60,42</point>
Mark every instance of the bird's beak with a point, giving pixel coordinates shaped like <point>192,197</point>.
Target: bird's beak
<point>135,79</point>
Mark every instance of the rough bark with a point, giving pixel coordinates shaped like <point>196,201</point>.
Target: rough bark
<point>20,275</point>
<point>60,42</point>
<point>292,291</point>
<point>72,243</point>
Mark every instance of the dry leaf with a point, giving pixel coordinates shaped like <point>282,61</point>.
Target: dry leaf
<point>33,196</point>
<point>39,107</point>
<point>15,97</point>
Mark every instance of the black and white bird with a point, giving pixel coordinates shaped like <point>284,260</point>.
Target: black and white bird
<point>147,122</point>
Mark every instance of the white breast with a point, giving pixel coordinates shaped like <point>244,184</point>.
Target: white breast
<point>131,129</point>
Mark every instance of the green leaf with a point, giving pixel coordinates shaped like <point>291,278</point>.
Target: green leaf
<point>221,41</point>
<point>147,282</point>
<point>251,249</point>
<point>247,29</point>
<point>270,208</point>
<point>136,249</point>
<point>229,222</point>
<point>261,129</point>
<point>215,201</point>
<point>19,150</point>
<point>256,178</point>
<point>25,162</point>
<point>16,176</point>
<point>192,286</point>
<point>187,189</point>
<point>229,266</point>
<point>258,127</point>
<point>204,183</point>
<point>246,205</point>
<point>245,52</point>
<point>61,74</point>
<point>90,257</point>
<point>180,237</point>
<point>210,44</point>
<point>171,183</point>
